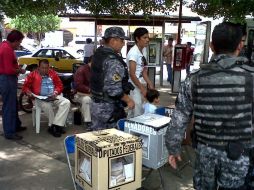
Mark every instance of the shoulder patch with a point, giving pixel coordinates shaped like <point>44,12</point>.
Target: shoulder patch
<point>116,77</point>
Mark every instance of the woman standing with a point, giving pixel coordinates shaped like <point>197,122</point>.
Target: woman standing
<point>136,61</point>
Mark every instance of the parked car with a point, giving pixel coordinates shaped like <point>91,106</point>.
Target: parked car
<point>59,58</point>
<point>24,50</point>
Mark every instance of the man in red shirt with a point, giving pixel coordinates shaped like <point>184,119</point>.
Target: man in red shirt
<point>45,82</point>
<point>9,70</point>
<point>189,55</point>
<point>82,85</point>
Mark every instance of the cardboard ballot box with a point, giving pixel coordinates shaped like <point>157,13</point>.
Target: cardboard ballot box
<point>151,128</point>
<point>108,159</point>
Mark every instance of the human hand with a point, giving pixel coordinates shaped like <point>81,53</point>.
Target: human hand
<point>150,86</point>
<point>54,95</point>
<point>172,159</point>
<point>130,104</point>
<point>29,94</point>
<point>20,71</point>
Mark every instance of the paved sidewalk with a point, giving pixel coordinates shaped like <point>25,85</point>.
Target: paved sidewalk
<point>38,162</point>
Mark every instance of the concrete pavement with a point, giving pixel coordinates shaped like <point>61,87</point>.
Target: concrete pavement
<point>38,162</point>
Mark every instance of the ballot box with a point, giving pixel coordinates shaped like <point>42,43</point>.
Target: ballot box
<point>166,111</point>
<point>108,159</point>
<point>151,128</point>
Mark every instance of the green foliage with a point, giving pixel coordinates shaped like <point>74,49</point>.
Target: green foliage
<point>36,24</point>
<point>229,9</point>
<point>13,8</point>
<point>32,23</point>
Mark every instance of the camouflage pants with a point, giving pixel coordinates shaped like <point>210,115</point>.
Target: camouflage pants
<point>101,113</point>
<point>213,169</point>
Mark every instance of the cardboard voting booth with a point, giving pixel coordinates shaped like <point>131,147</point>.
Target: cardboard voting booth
<point>151,128</point>
<point>108,159</point>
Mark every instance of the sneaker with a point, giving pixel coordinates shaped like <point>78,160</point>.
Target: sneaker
<point>18,129</point>
<point>14,137</point>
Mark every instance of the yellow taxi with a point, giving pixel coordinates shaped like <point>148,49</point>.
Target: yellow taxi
<point>58,58</point>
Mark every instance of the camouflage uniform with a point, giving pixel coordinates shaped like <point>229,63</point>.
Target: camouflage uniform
<point>102,111</point>
<point>212,168</point>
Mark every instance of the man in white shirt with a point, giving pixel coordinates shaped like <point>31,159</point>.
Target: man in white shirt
<point>88,50</point>
<point>168,57</point>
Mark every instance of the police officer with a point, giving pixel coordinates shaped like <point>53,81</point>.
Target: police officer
<point>109,81</point>
<point>219,96</point>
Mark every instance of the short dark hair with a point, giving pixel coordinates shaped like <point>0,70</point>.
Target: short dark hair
<point>189,43</point>
<point>226,37</point>
<point>170,39</point>
<point>139,32</point>
<point>43,61</point>
<point>15,36</point>
<point>152,94</point>
<point>89,40</point>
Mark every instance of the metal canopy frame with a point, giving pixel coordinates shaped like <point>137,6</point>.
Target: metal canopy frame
<point>132,20</point>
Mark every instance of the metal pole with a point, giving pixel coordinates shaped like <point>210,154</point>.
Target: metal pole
<point>180,23</point>
<point>161,53</point>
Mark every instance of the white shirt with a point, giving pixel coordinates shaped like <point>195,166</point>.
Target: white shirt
<point>149,108</point>
<point>88,50</point>
<point>135,55</point>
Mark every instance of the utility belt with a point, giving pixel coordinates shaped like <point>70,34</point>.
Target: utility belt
<point>118,112</point>
<point>101,98</point>
<point>234,150</point>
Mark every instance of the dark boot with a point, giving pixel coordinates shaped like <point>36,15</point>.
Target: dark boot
<point>54,131</point>
<point>61,130</point>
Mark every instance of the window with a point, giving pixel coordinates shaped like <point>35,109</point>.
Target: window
<point>48,53</point>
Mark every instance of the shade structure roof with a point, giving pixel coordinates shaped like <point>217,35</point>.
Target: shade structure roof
<point>131,20</point>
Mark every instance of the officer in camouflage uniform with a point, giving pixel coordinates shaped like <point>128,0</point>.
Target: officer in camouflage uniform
<point>109,81</point>
<point>220,97</point>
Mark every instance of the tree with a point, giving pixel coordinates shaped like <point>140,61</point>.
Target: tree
<point>37,25</point>
<point>236,9</point>
<point>229,9</point>
<point>13,8</point>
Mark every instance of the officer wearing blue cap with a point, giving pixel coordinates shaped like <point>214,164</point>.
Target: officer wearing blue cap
<point>109,81</point>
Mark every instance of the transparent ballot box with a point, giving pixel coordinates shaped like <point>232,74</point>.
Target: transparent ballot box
<point>151,128</point>
<point>108,159</point>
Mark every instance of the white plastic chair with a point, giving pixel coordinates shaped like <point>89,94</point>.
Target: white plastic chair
<point>36,116</point>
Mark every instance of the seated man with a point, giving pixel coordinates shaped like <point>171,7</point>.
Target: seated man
<point>82,85</point>
<point>45,82</point>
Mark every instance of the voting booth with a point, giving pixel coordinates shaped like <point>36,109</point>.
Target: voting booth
<point>151,128</point>
<point>108,159</point>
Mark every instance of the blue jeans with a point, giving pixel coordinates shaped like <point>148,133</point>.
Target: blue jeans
<point>169,69</point>
<point>8,91</point>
